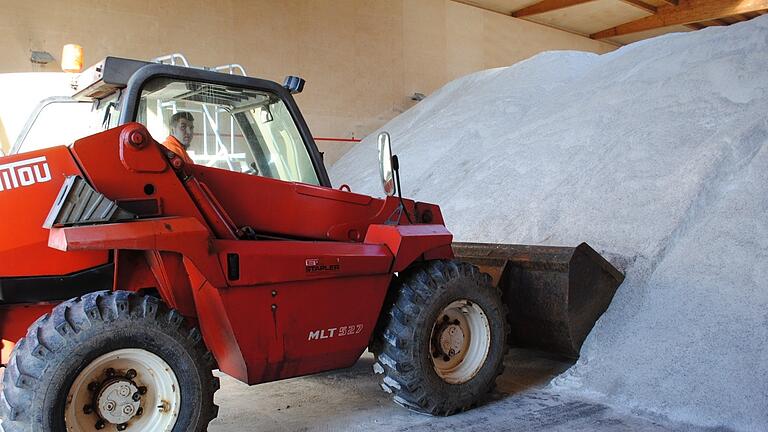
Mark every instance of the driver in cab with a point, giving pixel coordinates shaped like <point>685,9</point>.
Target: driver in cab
<point>182,128</point>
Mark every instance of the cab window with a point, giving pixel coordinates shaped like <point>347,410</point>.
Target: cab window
<point>232,128</point>
<point>60,120</point>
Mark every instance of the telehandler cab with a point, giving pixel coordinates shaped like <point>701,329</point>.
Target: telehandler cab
<point>128,275</point>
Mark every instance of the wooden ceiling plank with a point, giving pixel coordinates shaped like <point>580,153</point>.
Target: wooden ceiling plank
<point>686,12</point>
<point>641,5</point>
<point>508,14</point>
<point>546,6</point>
<point>672,2</point>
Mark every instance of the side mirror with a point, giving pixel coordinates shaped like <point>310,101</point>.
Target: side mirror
<point>385,164</point>
<point>294,84</point>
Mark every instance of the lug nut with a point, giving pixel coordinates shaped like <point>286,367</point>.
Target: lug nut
<point>93,386</point>
<point>445,318</point>
<point>100,425</point>
<point>87,409</point>
<point>110,372</point>
<point>136,397</point>
<point>142,390</point>
<point>446,358</point>
<point>124,391</point>
<point>139,412</point>
<point>456,322</point>
<point>122,426</point>
<point>131,374</point>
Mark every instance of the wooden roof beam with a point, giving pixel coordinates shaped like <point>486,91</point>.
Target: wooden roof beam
<point>546,6</point>
<point>641,5</point>
<point>672,2</point>
<point>686,12</point>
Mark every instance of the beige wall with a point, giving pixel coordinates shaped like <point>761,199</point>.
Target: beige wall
<point>362,59</point>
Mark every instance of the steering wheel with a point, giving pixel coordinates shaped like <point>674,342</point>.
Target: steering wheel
<point>252,170</point>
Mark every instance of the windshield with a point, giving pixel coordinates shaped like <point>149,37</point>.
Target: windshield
<point>60,120</point>
<point>233,128</point>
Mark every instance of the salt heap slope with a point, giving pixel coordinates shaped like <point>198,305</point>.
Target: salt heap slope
<point>656,154</point>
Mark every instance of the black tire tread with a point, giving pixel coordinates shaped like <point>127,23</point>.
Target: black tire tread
<point>394,359</point>
<point>47,336</point>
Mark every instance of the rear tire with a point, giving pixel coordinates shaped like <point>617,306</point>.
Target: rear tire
<point>443,339</point>
<point>94,361</point>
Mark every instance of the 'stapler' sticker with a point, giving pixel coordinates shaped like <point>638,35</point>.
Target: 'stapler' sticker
<point>314,265</point>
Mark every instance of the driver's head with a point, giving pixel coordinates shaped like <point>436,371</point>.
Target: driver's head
<point>182,127</point>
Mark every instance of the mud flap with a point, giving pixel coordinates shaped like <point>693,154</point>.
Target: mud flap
<point>554,294</point>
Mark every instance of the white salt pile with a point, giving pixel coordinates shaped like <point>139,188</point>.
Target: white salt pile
<point>655,154</point>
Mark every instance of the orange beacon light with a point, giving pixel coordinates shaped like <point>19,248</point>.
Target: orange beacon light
<point>72,58</point>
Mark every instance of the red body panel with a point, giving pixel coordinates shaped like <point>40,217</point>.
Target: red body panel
<point>29,183</point>
<point>14,323</point>
<point>294,302</point>
<point>305,327</point>
<point>409,242</point>
<point>100,157</point>
<point>294,209</point>
<point>267,309</point>
<point>266,262</point>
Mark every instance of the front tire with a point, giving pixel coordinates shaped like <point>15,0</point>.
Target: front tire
<point>443,340</point>
<point>109,361</point>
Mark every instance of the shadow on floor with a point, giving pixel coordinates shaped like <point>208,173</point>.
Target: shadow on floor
<point>351,400</point>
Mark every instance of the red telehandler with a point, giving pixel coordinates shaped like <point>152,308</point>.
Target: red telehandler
<point>127,275</point>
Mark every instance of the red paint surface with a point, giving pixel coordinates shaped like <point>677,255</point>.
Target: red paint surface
<point>304,301</point>
<point>14,321</point>
<point>24,247</point>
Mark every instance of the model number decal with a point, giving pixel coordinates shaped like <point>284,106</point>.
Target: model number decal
<point>24,173</point>
<point>313,265</point>
<point>335,332</point>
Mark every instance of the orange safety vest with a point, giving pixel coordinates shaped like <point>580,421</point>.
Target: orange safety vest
<point>172,144</point>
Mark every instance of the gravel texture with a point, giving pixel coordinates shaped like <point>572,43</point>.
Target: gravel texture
<point>656,154</point>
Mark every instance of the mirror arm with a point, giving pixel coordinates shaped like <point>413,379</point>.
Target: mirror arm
<point>396,169</point>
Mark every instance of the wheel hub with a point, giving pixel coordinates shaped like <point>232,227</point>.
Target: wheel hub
<point>126,389</point>
<point>452,340</point>
<point>460,341</point>
<point>118,401</point>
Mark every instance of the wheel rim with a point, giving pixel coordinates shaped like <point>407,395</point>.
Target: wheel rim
<point>127,389</point>
<point>460,341</point>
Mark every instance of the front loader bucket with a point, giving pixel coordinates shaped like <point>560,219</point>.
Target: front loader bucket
<point>554,294</point>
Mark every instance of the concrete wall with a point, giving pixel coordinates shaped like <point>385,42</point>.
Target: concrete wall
<point>362,59</point>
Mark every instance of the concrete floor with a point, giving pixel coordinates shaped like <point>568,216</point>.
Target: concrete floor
<point>351,400</point>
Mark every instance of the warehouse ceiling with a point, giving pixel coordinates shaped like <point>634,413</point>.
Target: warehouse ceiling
<point>625,21</point>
